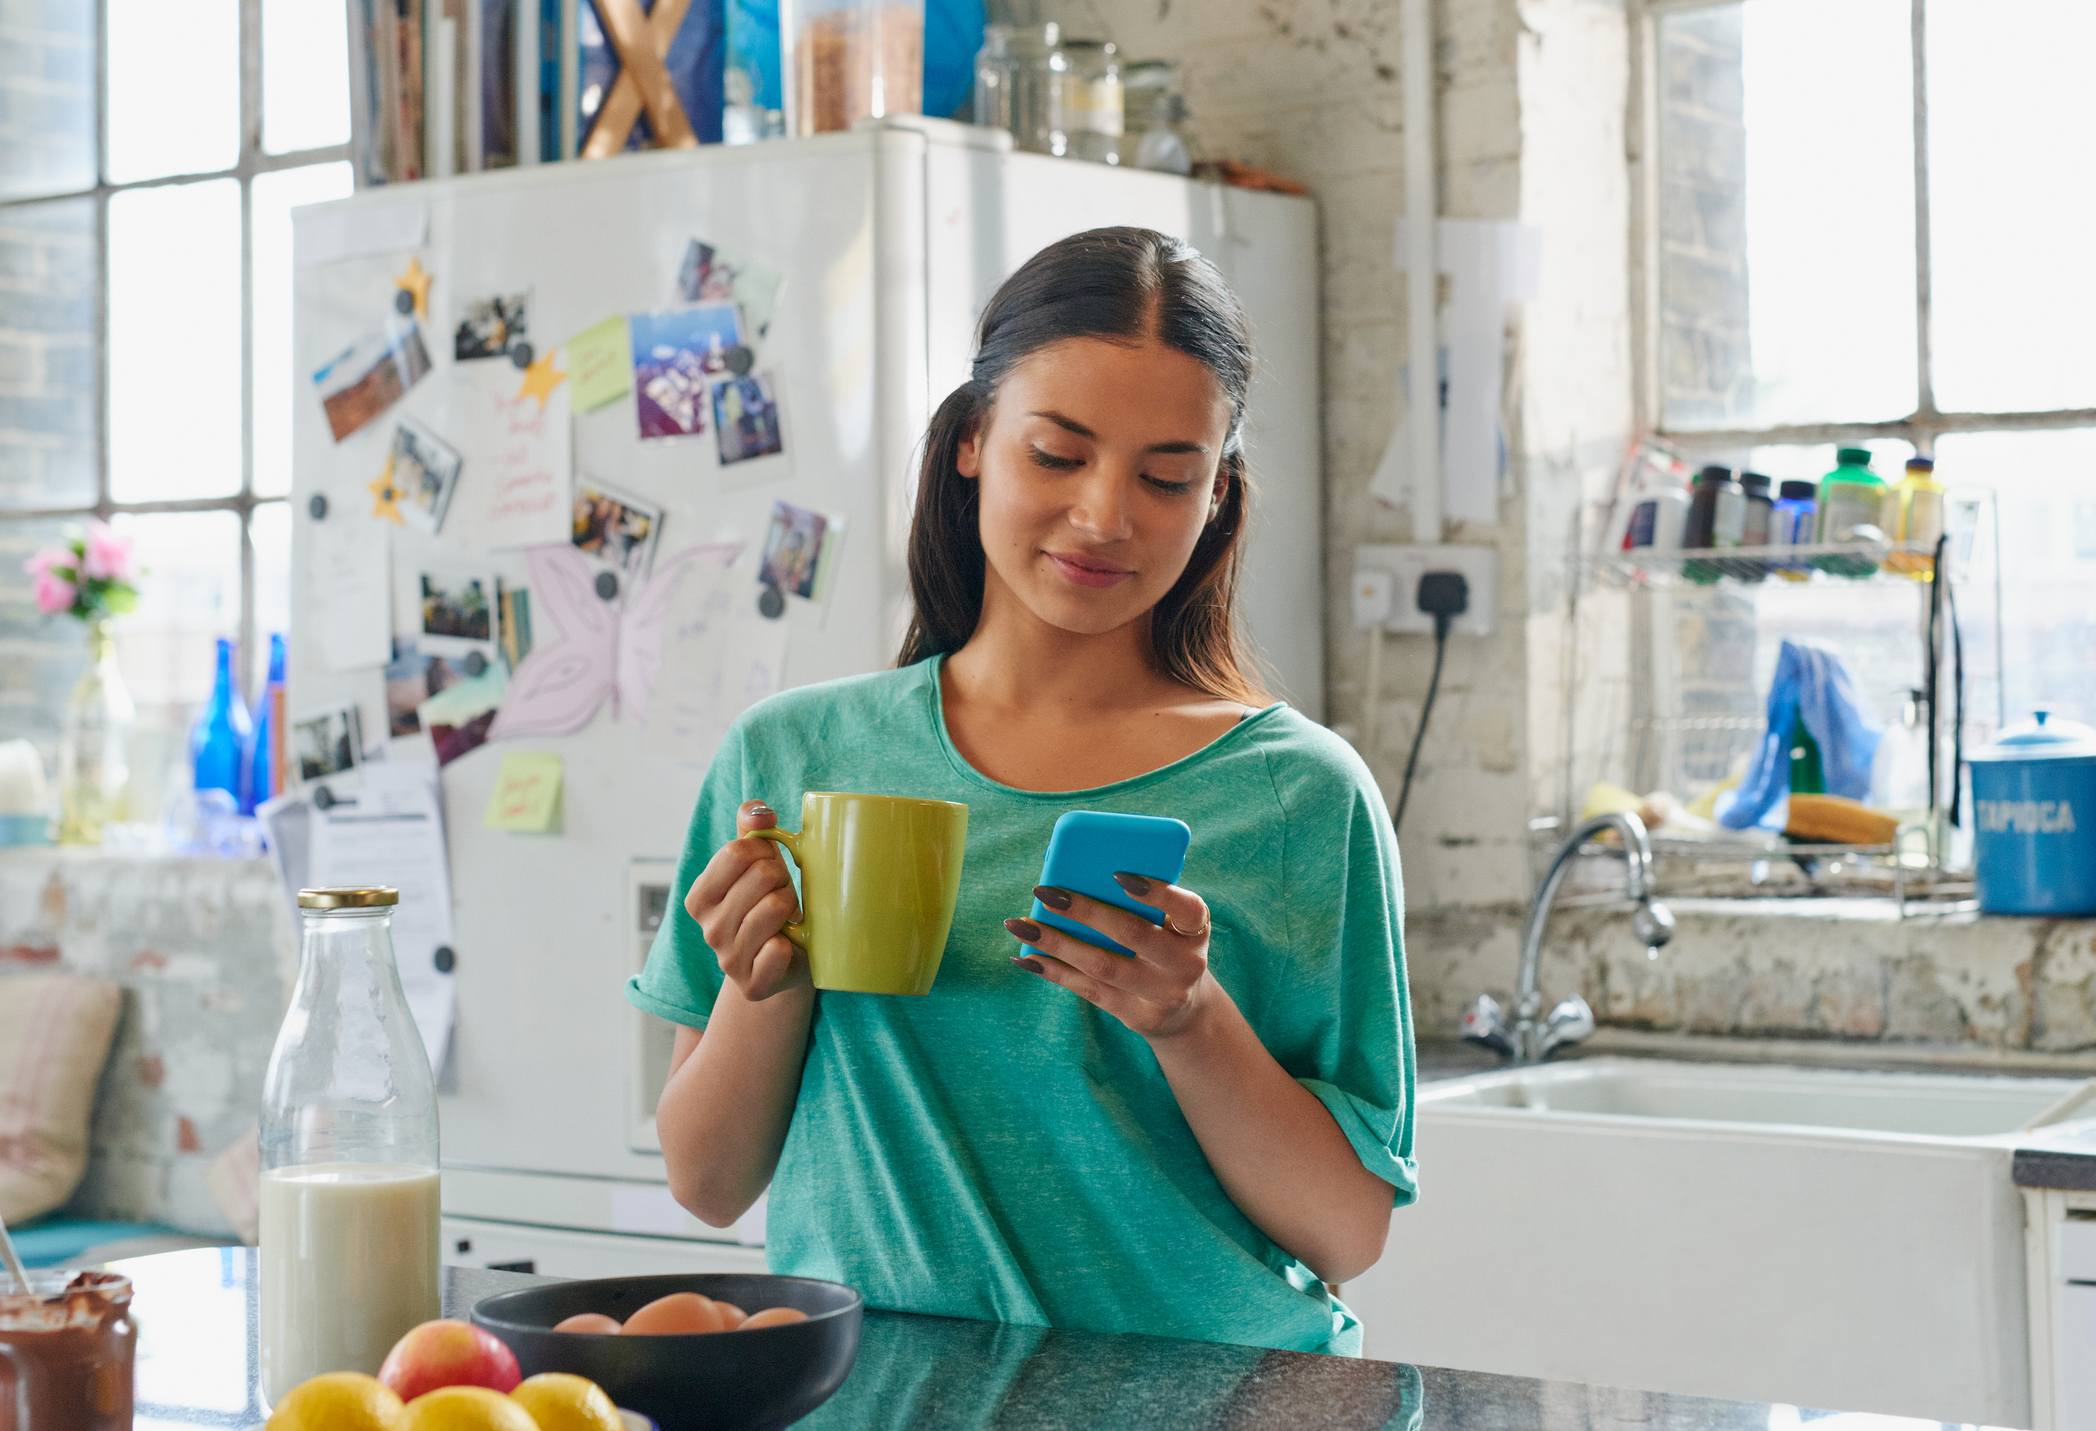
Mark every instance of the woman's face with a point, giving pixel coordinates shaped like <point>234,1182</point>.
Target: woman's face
<point>1098,465</point>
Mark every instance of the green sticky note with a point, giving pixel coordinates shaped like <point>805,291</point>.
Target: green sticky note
<point>527,794</point>
<point>600,365</point>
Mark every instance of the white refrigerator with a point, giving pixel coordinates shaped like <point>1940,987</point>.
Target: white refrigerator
<point>889,240</point>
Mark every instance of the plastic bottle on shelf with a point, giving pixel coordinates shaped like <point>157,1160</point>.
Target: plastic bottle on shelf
<point>1653,517</point>
<point>1914,516</point>
<point>1851,504</point>
<point>1761,512</point>
<point>1794,522</point>
<point>1717,518</point>
<point>219,740</point>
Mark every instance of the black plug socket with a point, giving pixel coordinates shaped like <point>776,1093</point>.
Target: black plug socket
<point>1444,595</point>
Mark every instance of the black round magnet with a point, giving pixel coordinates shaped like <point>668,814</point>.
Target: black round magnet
<point>317,507</point>
<point>772,602</point>
<point>520,354</point>
<point>445,960</point>
<point>324,798</point>
<point>476,664</point>
<point>403,301</point>
<point>740,360</point>
<point>607,585</point>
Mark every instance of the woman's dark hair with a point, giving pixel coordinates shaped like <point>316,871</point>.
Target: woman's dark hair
<point>1123,285</point>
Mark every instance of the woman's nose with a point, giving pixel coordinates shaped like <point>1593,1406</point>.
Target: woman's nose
<point>1101,510</point>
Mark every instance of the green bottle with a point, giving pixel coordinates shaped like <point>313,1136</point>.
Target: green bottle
<point>1851,498</point>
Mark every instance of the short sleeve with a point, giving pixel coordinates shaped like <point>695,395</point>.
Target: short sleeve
<point>1343,1024</point>
<point>682,978</point>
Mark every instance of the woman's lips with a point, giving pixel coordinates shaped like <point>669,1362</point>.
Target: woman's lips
<point>1087,572</point>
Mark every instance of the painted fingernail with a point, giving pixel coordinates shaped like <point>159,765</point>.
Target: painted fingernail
<point>1134,884</point>
<point>1024,929</point>
<point>1054,898</point>
<point>1031,966</point>
<point>756,807</point>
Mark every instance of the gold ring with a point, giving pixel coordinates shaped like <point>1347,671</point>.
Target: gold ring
<point>1201,933</point>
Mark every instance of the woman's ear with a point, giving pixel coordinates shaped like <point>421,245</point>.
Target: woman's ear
<point>967,459</point>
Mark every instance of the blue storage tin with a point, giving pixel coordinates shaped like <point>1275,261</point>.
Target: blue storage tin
<point>2034,800</point>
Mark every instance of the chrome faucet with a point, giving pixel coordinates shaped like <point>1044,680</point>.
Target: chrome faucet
<point>1526,1040</point>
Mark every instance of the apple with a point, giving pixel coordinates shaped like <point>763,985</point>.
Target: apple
<point>448,1353</point>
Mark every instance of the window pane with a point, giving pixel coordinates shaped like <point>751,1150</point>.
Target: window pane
<point>270,529</point>
<point>1786,213</point>
<point>2012,199</point>
<point>305,76</point>
<point>48,442</point>
<point>2046,485</point>
<point>47,122</point>
<point>276,383</point>
<point>174,87</point>
<point>174,342</point>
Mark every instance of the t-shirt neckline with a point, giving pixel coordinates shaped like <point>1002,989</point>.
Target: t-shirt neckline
<point>930,691</point>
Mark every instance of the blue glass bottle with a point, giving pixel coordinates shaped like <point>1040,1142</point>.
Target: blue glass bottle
<point>218,742</point>
<point>262,762</point>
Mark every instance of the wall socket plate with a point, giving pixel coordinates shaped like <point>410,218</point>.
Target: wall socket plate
<point>1479,565</point>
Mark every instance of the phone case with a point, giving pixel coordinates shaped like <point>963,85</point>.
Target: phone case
<point>1087,847</point>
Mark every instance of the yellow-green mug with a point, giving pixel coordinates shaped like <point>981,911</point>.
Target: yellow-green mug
<point>880,875</point>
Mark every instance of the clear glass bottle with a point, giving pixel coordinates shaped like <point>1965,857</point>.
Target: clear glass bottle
<point>1152,109</point>
<point>94,763</point>
<point>854,60</point>
<point>349,1187</point>
<point>1092,101</point>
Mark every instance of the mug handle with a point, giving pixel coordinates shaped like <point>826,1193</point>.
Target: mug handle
<point>790,841</point>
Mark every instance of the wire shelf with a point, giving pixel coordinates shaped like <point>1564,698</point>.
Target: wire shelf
<point>1841,564</point>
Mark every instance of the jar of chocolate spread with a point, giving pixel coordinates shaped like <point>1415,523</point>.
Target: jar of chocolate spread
<point>66,1351</point>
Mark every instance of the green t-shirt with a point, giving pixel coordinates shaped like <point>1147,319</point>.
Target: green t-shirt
<point>1000,1149</point>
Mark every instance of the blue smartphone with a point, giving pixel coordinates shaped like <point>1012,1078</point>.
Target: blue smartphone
<point>1085,850</point>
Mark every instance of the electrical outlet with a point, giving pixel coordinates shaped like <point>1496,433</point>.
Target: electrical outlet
<point>1405,565</point>
<point>1372,598</point>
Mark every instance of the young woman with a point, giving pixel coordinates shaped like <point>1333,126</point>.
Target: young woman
<point>1192,1142</point>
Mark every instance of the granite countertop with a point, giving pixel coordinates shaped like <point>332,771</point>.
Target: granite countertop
<point>2064,1159</point>
<point>196,1367</point>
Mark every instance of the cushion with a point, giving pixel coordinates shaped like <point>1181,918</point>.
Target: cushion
<point>54,1038</point>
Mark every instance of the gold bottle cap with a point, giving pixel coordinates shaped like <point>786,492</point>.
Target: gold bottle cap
<point>366,897</point>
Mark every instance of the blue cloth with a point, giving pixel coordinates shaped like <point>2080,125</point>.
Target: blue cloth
<point>61,1240</point>
<point>1813,686</point>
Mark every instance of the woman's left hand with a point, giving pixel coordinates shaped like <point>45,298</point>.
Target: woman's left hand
<point>1158,993</point>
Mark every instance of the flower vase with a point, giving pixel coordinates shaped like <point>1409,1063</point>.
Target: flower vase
<point>94,767</point>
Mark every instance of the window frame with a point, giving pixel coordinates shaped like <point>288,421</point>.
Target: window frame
<point>1920,427</point>
<point>251,161</point>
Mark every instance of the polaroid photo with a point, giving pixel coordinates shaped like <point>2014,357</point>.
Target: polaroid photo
<point>492,327</point>
<point>712,275</point>
<point>617,528</point>
<point>370,375</point>
<point>515,624</point>
<point>425,473</point>
<point>676,353</point>
<point>459,613</point>
<point>799,551</point>
<point>413,676</point>
<point>331,743</point>
<point>746,418</point>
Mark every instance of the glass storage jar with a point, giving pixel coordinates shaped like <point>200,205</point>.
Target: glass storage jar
<point>853,60</point>
<point>1152,111</point>
<point>1092,101</point>
<point>1019,75</point>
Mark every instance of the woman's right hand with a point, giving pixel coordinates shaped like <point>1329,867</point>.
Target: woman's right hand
<point>740,901</point>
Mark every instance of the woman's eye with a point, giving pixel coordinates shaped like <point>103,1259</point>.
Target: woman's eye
<point>1170,489</point>
<point>1044,458</point>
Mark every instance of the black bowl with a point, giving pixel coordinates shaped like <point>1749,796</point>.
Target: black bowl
<point>718,1381</point>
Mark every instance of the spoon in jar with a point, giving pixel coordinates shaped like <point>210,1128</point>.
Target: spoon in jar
<point>14,1259</point>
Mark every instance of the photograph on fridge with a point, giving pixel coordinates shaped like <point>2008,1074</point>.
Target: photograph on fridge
<point>413,676</point>
<point>799,550</point>
<point>424,473</point>
<point>492,327</point>
<point>676,353</point>
<point>370,375</point>
<point>617,528</point>
<point>714,275</point>
<point>458,612</point>
<point>746,418</point>
<point>330,743</point>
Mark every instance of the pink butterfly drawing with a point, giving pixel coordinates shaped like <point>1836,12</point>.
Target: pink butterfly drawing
<point>606,650</point>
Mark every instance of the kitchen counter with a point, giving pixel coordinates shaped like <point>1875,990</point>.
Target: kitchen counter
<point>2063,1160</point>
<point>196,1367</point>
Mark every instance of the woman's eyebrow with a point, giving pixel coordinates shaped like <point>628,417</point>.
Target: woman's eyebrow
<point>1166,448</point>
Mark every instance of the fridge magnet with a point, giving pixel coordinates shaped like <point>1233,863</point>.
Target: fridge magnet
<point>423,470</point>
<point>799,551</point>
<point>599,371</point>
<point>617,528</point>
<point>540,379</point>
<point>746,418</point>
<point>329,743</point>
<point>413,285</point>
<point>526,797</point>
<point>713,275</point>
<point>458,613</point>
<point>493,327</point>
<point>675,354</point>
<point>385,496</point>
<point>519,494</point>
<point>369,376</point>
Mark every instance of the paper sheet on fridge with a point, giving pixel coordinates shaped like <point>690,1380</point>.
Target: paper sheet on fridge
<point>1489,263</point>
<point>517,486</point>
<point>600,364</point>
<point>719,658</point>
<point>349,591</point>
<point>526,797</point>
<point>391,832</point>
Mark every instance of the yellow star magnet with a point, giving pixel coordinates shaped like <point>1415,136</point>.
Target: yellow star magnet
<point>540,380</point>
<point>385,497</point>
<point>415,283</point>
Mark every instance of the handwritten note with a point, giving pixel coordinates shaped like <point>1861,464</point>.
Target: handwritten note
<point>519,473</point>
<point>719,658</point>
<point>526,797</point>
<point>599,366</point>
<point>349,591</point>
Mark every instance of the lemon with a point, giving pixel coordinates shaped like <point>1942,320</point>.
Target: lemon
<point>337,1401</point>
<point>560,1402</point>
<point>464,1408</point>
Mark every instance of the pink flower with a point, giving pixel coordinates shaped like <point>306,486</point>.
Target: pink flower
<point>108,555</point>
<point>53,594</point>
<point>44,560</point>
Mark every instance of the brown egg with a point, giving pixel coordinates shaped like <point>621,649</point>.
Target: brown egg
<point>595,1322</point>
<point>677,1314</point>
<point>732,1316</point>
<point>772,1317</point>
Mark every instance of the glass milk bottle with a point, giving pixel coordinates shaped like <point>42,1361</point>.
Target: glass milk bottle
<point>349,1153</point>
